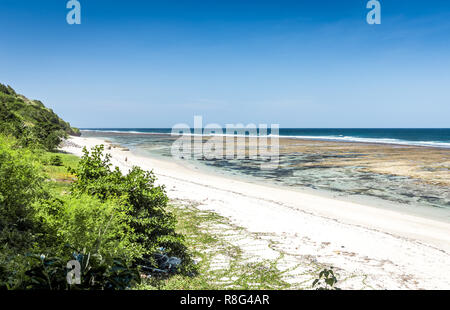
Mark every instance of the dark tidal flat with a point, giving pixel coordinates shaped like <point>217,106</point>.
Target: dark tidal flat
<point>410,175</point>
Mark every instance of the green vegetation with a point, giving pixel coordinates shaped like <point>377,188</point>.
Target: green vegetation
<point>120,228</point>
<point>30,121</point>
<point>55,160</point>
<point>146,202</point>
<point>221,264</point>
<point>225,257</point>
<point>327,280</point>
<point>56,208</point>
<point>86,212</point>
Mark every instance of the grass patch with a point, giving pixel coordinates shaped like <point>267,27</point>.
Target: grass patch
<point>58,175</point>
<point>214,242</point>
<point>221,263</point>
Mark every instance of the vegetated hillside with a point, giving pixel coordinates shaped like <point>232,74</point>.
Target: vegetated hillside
<point>30,121</point>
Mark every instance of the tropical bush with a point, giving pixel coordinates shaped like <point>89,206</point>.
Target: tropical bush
<point>86,223</point>
<point>20,186</point>
<point>56,160</point>
<point>30,121</point>
<point>96,273</point>
<point>114,225</point>
<point>146,203</point>
<point>119,221</point>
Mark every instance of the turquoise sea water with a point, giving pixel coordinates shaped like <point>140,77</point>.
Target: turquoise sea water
<point>341,181</point>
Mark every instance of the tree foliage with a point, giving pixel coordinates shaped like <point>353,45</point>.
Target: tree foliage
<point>30,121</point>
<point>119,221</point>
<point>21,185</point>
<point>113,224</point>
<point>146,203</point>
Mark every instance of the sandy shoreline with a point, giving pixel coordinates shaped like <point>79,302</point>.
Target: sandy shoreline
<point>382,248</point>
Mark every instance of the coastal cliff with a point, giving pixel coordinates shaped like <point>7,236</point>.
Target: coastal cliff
<point>30,120</point>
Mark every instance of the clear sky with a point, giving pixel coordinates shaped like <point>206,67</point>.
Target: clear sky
<point>295,63</point>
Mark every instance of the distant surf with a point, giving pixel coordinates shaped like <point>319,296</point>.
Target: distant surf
<point>347,169</point>
<point>428,137</point>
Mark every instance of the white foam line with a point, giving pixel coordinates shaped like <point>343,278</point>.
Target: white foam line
<point>326,138</point>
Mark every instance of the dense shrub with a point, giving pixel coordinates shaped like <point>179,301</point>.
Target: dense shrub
<point>30,121</point>
<point>20,186</point>
<point>153,226</point>
<point>32,220</point>
<point>7,89</point>
<point>111,223</point>
<point>55,160</point>
<point>86,223</point>
<point>9,122</point>
<point>96,273</point>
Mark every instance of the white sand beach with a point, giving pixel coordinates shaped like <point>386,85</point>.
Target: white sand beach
<point>375,247</point>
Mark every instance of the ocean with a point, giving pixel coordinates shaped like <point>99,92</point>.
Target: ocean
<point>433,137</point>
<point>407,167</point>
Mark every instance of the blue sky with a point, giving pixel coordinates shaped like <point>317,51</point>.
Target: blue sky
<point>295,63</point>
